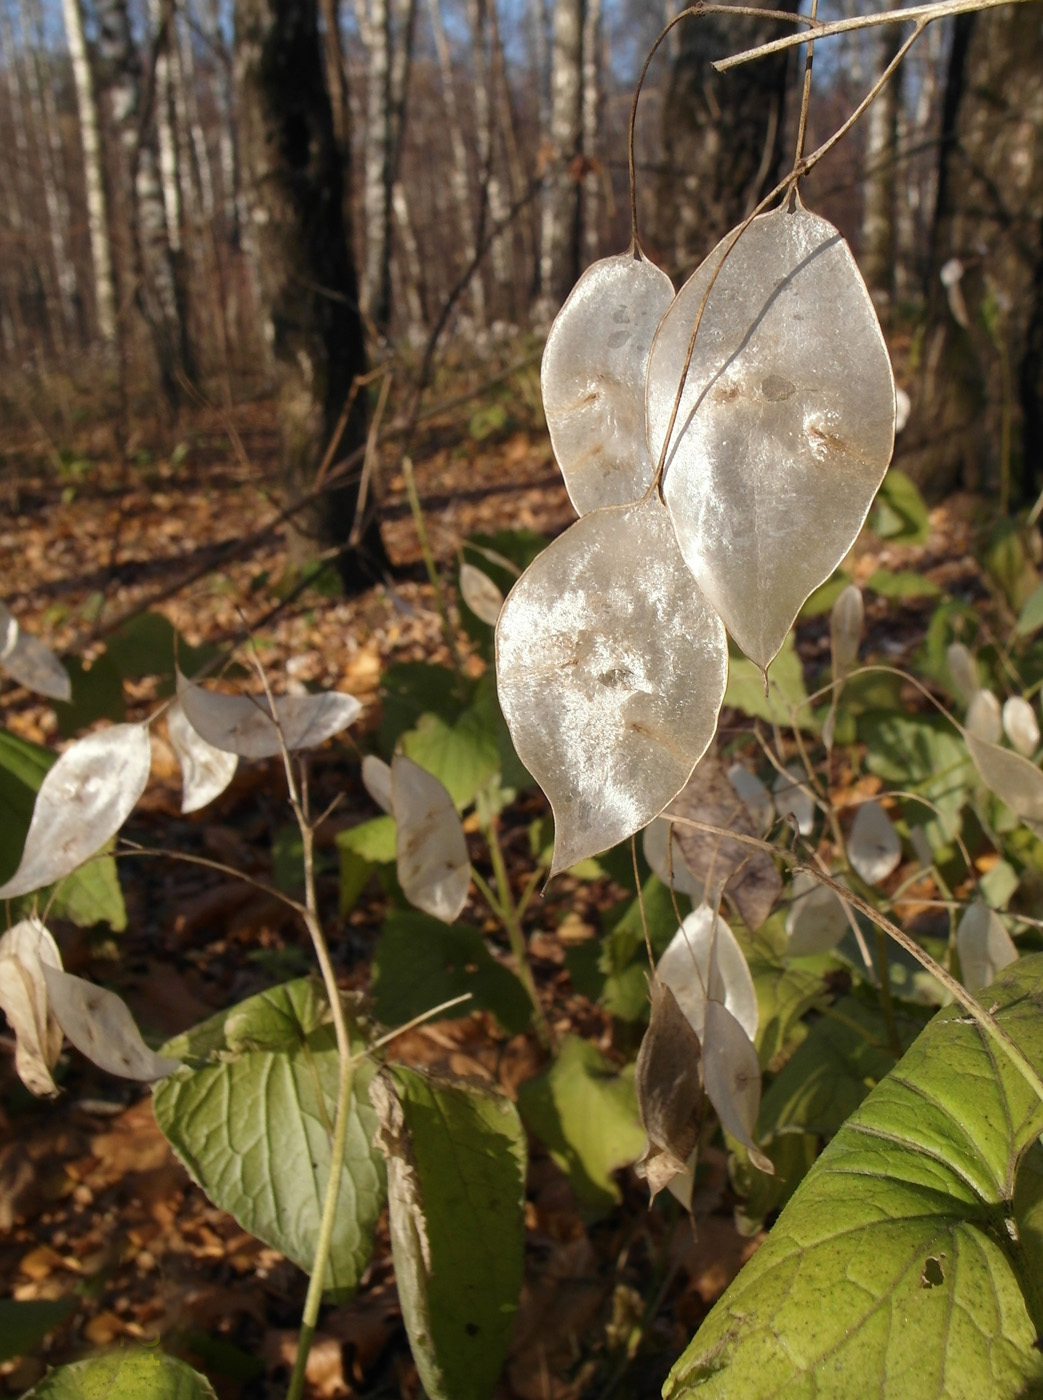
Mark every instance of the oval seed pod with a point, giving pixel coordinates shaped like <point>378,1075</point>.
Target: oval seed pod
<point>786,420</point>
<point>984,945</point>
<point>30,663</point>
<point>874,847</point>
<point>100,1025</point>
<point>984,719</point>
<point>793,798</point>
<point>83,801</point>
<point>668,1082</point>
<point>816,921</point>
<point>480,594</point>
<point>664,857</point>
<point>432,863</point>
<point>205,771</point>
<point>1019,725</point>
<point>610,670</point>
<point>593,380</point>
<point>732,1079</point>
<point>243,724</point>
<point>845,630</point>
<point>703,961</point>
<point>1012,778</point>
<point>754,794</point>
<point>963,669</point>
<point>376,779</point>
<point>24,951</point>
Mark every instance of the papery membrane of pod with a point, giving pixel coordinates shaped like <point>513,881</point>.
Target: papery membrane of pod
<point>243,724</point>
<point>874,847</point>
<point>816,921</point>
<point>30,663</point>
<point>376,779</point>
<point>593,380</point>
<point>755,795</point>
<point>921,845</point>
<point>846,622</point>
<point>703,961</point>
<point>786,420</point>
<point>101,1027</point>
<point>1019,725</point>
<point>665,859</point>
<point>793,798</point>
<point>984,946</point>
<point>83,800</point>
<point>984,719</point>
<point>205,771</point>
<point>480,594</point>
<point>24,949</point>
<point>1012,778</point>
<point>963,669</point>
<point>732,1078</point>
<point>725,864</point>
<point>668,1081</point>
<point>433,866</point>
<point>610,670</point>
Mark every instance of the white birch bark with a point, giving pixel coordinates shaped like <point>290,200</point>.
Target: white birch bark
<point>878,212</point>
<point>162,16</point>
<point>560,211</point>
<point>591,116</point>
<point>94,184</point>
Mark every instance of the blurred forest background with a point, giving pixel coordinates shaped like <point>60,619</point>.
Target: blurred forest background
<point>204,201</point>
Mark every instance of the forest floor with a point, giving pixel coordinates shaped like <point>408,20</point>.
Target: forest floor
<point>93,1205</point>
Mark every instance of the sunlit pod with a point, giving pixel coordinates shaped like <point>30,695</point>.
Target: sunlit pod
<point>205,771</point>
<point>984,945</point>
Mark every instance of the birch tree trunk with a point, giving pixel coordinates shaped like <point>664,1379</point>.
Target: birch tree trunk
<point>591,115</point>
<point>879,213</point>
<point>94,184</point>
<point>560,214</point>
<point>293,172</point>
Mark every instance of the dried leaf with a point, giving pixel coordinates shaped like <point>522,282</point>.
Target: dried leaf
<point>703,961</point>
<point>205,771</point>
<point>243,724</point>
<point>743,872</point>
<point>785,426</point>
<point>434,869</point>
<point>611,670</point>
<point>816,921</point>
<point>984,945</point>
<point>24,950</point>
<point>874,847</point>
<point>83,801</point>
<point>480,594</point>
<point>101,1027</point>
<point>376,779</point>
<point>593,380</point>
<point>30,663</point>
<point>732,1075</point>
<point>984,719</point>
<point>1019,725</point>
<point>669,1084</point>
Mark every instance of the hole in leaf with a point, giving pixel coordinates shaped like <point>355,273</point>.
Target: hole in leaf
<point>932,1274</point>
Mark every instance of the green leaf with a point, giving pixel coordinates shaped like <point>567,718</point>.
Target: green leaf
<point>922,754</point>
<point>23,1325</point>
<point>96,694</point>
<point>456,1187</point>
<point>786,692</point>
<point>900,513</point>
<point>253,1119</point>
<point>584,1111</point>
<point>902,583</point>
<point>821,600</point>
<point>132,1373</point>
<point>1030,619</point>
<point>462,755</point>
<point>623,960</point>
<point>414,689</point>
<point>785,992</point>
<point>420,962</point>
<point>150,645</point>
<point>898,1261</point>
<point>374,840</point>
<point>90,895</point>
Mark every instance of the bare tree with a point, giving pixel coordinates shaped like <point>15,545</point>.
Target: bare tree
<point>978,406</point>
<point>560,214</point>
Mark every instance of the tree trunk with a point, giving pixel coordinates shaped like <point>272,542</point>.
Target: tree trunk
<point>560,220</point>
<point>879,241</point>
<point>293,173</point>
<point>97,212</point>
<point>978,405</point>
<point>722,134</point>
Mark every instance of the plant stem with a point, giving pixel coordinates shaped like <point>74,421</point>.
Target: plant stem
<point>502,903</point>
